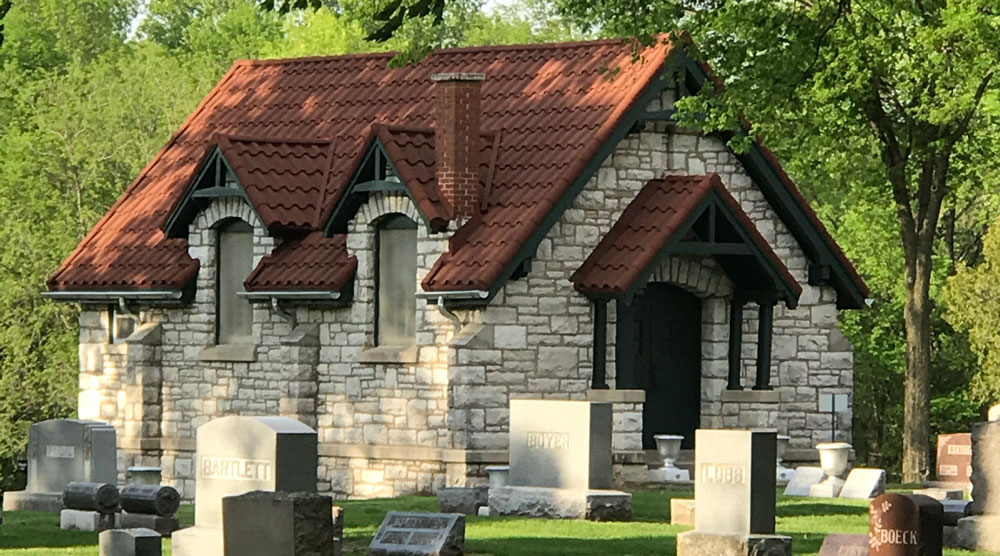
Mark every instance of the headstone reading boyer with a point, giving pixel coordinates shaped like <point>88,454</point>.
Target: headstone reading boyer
<point>844,545</point>
<point>803,480</point>
<point>863,483</point>
<point>63,451</point>
<point>954,458</point>
<point>560,463</point>
<point>734,489</point>
<point>981,530</point>
<point>419,534</point>
<point>130,542</point>
<point>235,455</point>
<point>905,525</point>
<point>262,523</point>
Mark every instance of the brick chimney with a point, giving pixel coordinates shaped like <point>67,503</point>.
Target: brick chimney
<point>456,130</point>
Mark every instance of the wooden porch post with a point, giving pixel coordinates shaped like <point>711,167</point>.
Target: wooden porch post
<point>735,342</point>
<point>765,329</point>
<point>599,380</point>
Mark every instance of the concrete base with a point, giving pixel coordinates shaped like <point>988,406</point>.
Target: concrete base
<point>20,500</point>
<point>668,475</point>
<point>693,543</point>
<point>554,503</point>
<point>165,526</point>
<point>79,520</point>
<point>829,488</point>
<point>980,532</point>
<point>462,500</point>
<point>682,511</point>
<point>197,541</point>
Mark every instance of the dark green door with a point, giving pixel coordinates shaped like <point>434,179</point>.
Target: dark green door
<point>665,346</point>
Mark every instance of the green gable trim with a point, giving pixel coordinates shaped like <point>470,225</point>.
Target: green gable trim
<point>208,183</point>
<point>358,192</point>
<point>765,175</point>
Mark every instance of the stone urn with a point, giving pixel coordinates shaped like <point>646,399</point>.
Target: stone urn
<point>833,458</point>
<point>783,475</point>
<point>669,448</point>
<point>498,475</point>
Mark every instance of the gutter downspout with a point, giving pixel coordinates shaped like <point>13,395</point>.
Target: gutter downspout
<point>455,321</point>
<point>284,314</point>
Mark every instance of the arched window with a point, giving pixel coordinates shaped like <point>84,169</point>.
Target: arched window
<point>396,281</point>
<point>234,257</point>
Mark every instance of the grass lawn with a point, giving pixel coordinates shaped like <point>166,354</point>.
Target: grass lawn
<point>807,520</point>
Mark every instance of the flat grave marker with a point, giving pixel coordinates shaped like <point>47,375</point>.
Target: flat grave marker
<point>863,483</point>
<point>803,480</point>
<point>419,534</point>
<point>844,545</point>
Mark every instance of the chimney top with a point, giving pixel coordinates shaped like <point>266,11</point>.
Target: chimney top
<point>458,76</point>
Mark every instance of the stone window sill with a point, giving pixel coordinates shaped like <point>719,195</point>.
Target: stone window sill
<point>751,396</point>
<point>388,354</point>
<point>240,353</point>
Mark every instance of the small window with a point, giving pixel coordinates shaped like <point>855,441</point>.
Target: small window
<point>396,283</point>
<point>234,256</point>
<point>120,326</point>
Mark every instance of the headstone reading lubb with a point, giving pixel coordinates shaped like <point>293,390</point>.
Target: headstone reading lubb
<point>981,529</point>
<point>130,542</point>
<point>560,463</point>
<point>262,523</point>
<point>803,480</point>
<point>63,451</point>
<point>864,483</point>
<point>419,534</point>
<point>844,545</point>
<point>905,525</point>
<point>235,455</point>
<point>734,490</point>
<point>954,458</point>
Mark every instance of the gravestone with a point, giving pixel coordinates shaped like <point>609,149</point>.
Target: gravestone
<point>419,534</point>
<point>981,530</point>
<point>954,458</point>
<point>150,507</point>
<point>682,511</point>
<point>803,480</point>
<point>235,455</point>
<point>63,451</point>
<point>560,463</point>
<point>905,525</point>
<point>994,413</point>
<point>130,542</point>
<point>89,507</point>
<point>844,545</point>
<point>463,500</point>
<point>862,484</point>
<point>734,489</point>
<point>262,523</point>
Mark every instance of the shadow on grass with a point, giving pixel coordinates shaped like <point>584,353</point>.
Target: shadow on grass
<point>817,509</point>
<point>541,546</point>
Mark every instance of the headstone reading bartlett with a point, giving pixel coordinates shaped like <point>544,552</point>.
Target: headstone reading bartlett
<point>419,534</point>
<point>905,525</point>
<point>954,458</point>
<point>63,451</point>
<point>235,455</point>
<point>560,463</point>
<point>734,490</point>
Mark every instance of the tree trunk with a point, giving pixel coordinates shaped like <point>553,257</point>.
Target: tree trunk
<point>916,395</point>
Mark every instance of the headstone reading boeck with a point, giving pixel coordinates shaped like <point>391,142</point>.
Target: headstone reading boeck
<point>905,525</point>
<point>235,455</point>
<point>844,545</point>
<point>803,480</point>
<point>560,463</point>
<point>63,451</point>
<point>734,490</point>
<point>954,458</point>
<point>981,529</point>
<point>262,523</point>
<point>864,483</point>
<point>417,534</point>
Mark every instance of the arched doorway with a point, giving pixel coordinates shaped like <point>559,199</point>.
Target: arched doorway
<point>659,351</point>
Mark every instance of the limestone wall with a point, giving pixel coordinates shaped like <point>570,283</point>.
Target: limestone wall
<point>394,422</point>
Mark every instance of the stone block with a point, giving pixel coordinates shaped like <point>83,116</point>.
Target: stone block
<point>83,520</point>
<point>165,526</point>
<point>462,500</point>
<point>682,511</point>
<point>554,503</point>
<point>695,543</point>
<point>130,542</point>
<point>980,533</point>
<point>21,500</point>
<point>263,523</point>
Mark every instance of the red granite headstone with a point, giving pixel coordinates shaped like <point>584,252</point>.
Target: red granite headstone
<point>954,458</point>
<point>905,525</point>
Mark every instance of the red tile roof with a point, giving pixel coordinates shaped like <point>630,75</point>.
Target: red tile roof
<point>648,223</point>
<point>554,103</point>
<point>282,177</point>
<point>310,263</point>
